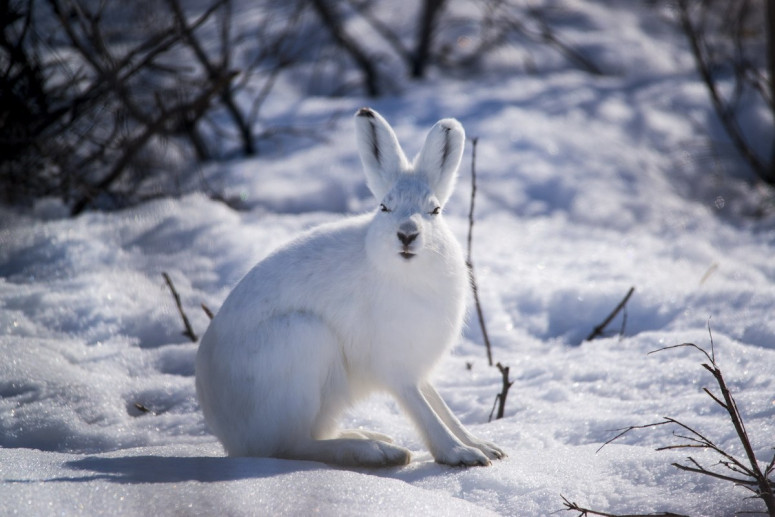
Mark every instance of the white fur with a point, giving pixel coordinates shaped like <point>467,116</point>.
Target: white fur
<point>341,312</point>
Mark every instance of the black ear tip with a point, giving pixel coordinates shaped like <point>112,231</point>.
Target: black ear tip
<point>365,112</point>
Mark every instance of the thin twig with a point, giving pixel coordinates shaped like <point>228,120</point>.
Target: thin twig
<point>770,466</point>
<point>764,485</point>
<point>383,30</point>
<point>142,408</point>
<point>506,386</point>
<point>584,512</point>
<point>214,73</point>
<point>721,107</point>
<point>326,11</point>
<point>598,331</point>
<point>548,36</point>
<point>500,399</point>
<point>494,404</point>
<point>624,430</point>
<point>756,480</point>
<point>188,332</point>
<point>702,470</point>
<point>469,260</point>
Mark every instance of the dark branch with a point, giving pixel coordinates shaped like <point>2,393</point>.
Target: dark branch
<point>469,259</point>
<point>598,331</point>
<point>722,108</point>
<point>583,512</point>
<point>335,28</point>
<point>189,331</point>
<point>755,480</point>
<point>500,398</point>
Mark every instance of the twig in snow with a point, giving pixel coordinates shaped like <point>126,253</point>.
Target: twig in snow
<point>744,472</point>
<point>598,331</point>
<point>469,260</point>
<point>584,512</point>
<point>188,332</point>
<point>142,408</point>
<point>500,398</point>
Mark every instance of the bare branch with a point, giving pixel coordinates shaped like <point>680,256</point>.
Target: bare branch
<point>505,387</point>
<point>571,54</point>
<point>702,470</point>
<point>195,109</point>
<point>623,431</point>
<point>715,399</point>
<point>335,28</point>
<point>584,512</point>
<point>215,72</point>
<point>682,345</point>
<point>383,30</point>
<point>722,108</point>
<point>430,13</point>
<point>500,399</point>
<point>189,331</point>
<point>755,479</point>
<point>770,467</point>
<point>469,260</point>
<point>598,330</point>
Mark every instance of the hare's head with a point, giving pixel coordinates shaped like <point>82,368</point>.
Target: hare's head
<point>411,196</point>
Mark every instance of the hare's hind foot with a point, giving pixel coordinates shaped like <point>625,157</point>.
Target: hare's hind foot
<point>351,452</point>
<point>362,434</point>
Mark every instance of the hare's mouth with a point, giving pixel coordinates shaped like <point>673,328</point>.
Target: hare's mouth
<point>406,254</point>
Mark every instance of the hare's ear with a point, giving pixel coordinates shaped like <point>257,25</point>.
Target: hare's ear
<point>440,157</point>
<point>381,154</point>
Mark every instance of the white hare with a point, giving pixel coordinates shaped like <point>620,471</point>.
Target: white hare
<point>367,303</point>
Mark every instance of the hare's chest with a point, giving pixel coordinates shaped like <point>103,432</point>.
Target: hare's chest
<point>403,335</point>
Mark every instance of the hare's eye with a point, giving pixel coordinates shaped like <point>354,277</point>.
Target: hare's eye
<point>383,208</point>
<point>435,211</point>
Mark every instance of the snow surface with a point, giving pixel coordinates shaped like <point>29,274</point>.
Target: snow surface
<point>587,186</point>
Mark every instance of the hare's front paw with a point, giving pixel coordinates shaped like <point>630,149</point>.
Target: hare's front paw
<point>462,456</point>
<point>491,450</point>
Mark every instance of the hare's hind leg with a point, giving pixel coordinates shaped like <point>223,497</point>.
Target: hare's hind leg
<point>298,395</point>
<point>351,452</point>
<point>285,386</point>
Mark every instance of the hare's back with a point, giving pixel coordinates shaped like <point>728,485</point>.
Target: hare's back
<point>322,267</point>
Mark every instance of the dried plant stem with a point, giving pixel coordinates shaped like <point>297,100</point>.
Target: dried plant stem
<point>500,398</point>
<point>188,331</point>
<point>598,331</point>
<point>584,512</point>
<point>469,260</point>
<point>744,472</point>
<point>724,109</point>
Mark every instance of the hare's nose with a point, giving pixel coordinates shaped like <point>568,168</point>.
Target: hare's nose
<point>407,238</point>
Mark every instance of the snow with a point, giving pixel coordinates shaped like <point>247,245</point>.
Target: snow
<point>586,186</point>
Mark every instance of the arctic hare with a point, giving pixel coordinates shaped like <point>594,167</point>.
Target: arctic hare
<point>367,303</point>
